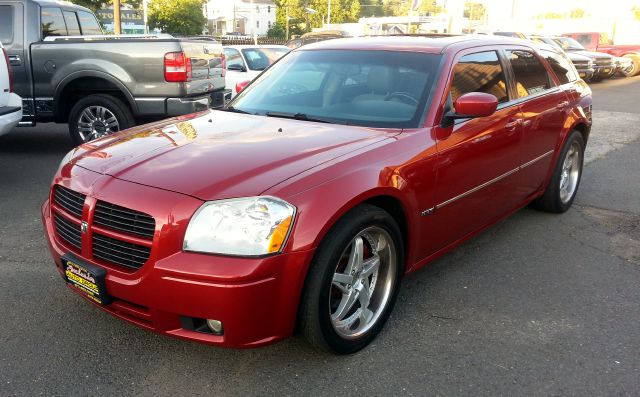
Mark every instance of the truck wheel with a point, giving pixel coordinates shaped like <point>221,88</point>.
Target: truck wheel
<point>632,71</point>
<point>98,115</point>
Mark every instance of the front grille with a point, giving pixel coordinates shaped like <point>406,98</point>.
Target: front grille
<point>604,62</point>
<point>119,252</point>
<point>124,220</point>
<point>71,201</point>
<point>581,63</point>
<point>68,231</point>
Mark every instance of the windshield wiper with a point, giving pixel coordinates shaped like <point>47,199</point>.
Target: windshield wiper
<point>298,116</point>
<point>234,110</point>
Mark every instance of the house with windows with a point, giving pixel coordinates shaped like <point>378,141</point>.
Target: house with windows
<point>246,17</point>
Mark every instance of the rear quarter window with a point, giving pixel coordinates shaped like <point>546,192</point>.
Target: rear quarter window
<point>531,77</point>
<point>52,22</point>
<point>561,65</point>
<point>6,24</point>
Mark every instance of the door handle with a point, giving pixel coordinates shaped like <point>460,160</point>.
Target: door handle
<point>562,105</point>
<point>14,60</point>
<point>511,125</point>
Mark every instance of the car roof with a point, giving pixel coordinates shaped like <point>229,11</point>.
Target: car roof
<point>63,4</point>
<point>243,46</point>
<point>413,43</point>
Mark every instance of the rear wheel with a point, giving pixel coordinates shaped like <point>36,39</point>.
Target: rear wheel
<point>353,281</point>
<point>98,115</point>
<point>564,183</point>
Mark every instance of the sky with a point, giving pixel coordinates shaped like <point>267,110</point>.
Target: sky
<point>536,7</point>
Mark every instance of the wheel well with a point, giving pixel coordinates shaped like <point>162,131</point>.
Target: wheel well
<point>583,130</point>
<point>394,207</point>
<point>80,88</point>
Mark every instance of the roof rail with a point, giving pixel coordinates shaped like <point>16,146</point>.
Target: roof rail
<point>110,37</point>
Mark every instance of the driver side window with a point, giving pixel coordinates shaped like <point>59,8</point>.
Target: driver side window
<point>479,72</point>
<point>233,58</point>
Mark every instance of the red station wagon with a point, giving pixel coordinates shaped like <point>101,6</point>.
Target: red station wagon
<point>345,166</point>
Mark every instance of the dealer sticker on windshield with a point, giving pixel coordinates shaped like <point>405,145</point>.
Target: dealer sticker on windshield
<point>89,280</point>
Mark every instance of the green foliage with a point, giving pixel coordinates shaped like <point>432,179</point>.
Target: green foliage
<point>342,11</point>
<point>577,13</point>
<point>401,8</point>
<point>636,12</point>
<point>180,17</point>
<point>276,31</point>
<point>475,11</point>
<point>95,5</point>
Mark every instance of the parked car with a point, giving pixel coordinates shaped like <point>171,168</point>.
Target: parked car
<point>603,64</point>
<point>67,71</point>
<point>245,62</point>
<point>314,37</point>
<point>341,168</point>
<point>600,42</point>
<point>624,66</point>
<point>583,64</point>
<point>10,103</point>
<point>515,35</point>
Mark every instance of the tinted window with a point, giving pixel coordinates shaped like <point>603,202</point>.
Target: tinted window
<point>72,23</point>
<point>233,57</point>
<point>261,58</point>
<point>89,24</point>
<point>530,74</point>
<point>480,72</point>
<point>561,65</point>
<point>6,24</point>
<point>387,89</point>
<point>52,22</point>
<point>584,39</point>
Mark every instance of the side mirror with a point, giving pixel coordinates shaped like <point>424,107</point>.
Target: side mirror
<point>471,105</point>
<point>242,85</point>
<point>237,67</point>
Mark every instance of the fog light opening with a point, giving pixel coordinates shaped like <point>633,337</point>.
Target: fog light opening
<point>215,326</point>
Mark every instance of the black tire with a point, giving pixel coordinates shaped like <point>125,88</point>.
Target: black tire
<point>315,308</point>
<point>551,200</point>
<point>118,109</point>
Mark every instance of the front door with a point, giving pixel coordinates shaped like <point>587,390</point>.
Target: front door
<point>478,161</point>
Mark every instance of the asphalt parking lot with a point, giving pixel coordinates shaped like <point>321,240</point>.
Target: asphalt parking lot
<point>540,304</point>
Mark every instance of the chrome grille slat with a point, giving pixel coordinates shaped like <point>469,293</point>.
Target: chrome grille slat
<point>119,252</point>
<point>112,216</point>
<point>68,231</point>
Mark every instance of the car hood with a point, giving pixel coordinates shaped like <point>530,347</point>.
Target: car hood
<point>591,54</point>
<point>217,155</point>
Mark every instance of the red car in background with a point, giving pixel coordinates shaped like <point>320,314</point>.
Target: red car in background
<point>340,169</point>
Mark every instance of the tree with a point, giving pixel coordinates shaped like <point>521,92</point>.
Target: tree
<point>636,12</point>
<point>95,5</point>
<point>475,11</point>
<point>180,17</point>
<point>341,11</point>
<point>577,13</point>
<point>276,31</point>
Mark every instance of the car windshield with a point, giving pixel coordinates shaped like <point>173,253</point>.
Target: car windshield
<point>567,43</point>
<point>262,58</point>
<point>385,89</point>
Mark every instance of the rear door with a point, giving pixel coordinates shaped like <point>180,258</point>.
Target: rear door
<point>544,108</point>
<point>12,35</point>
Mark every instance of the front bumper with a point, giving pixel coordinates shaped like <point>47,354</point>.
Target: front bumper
<point>255,298</point>
<point>586,74</point>
<point>604,71</point>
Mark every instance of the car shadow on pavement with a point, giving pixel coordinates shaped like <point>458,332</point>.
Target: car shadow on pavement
<point>43,139</point>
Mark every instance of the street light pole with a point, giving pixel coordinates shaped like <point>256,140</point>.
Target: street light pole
<point>117,26</point>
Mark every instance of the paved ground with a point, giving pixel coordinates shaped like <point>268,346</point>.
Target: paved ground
<point>538,305</point>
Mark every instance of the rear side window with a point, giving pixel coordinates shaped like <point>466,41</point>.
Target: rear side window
<point>72,23</point>
<point>52,22</point>
<point>531,76</point>
<point>6,24</point>
<point>89,24</point>
<point>561,65</point>
<point>479,72</point>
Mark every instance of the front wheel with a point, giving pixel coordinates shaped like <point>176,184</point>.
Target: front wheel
<point>353,281</point>
<point>634,69</point>
<point>96,116</point>
<point>565,180</point>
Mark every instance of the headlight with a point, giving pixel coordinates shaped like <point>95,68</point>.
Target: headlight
<point>249,226</point>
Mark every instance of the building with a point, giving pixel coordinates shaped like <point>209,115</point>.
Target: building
<point>240,16</point>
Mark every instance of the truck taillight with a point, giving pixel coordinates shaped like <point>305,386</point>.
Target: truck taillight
<point>9,69</point>
<point>177,67</point>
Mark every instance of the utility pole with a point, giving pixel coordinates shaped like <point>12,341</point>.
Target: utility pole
<point>287,24</point>
<point>233,28</point>
<point>329,13</point>
<point>254,21</point>
<point>117,26</point>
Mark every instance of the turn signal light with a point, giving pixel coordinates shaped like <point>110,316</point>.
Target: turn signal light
<point>177,67</point>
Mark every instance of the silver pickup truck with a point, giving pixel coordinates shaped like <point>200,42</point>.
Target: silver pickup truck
<point>67,71</point>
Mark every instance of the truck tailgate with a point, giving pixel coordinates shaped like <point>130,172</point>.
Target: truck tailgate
<point>207,72</point>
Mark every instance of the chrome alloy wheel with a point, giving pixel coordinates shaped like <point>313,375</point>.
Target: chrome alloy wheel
<point>570,173</point>
<point>95,122</point>
<point>362,282</point>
